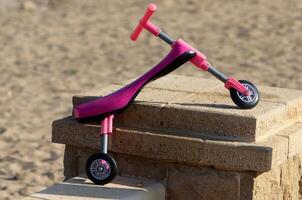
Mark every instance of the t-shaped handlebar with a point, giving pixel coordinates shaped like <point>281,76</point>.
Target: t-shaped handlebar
<point>145,23</point>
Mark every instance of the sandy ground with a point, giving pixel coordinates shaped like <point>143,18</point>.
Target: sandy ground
<point>53,49</point>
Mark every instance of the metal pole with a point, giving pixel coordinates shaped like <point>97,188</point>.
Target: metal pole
<point>217,74</point>
<point>166,38</point>
<point>104,143</point>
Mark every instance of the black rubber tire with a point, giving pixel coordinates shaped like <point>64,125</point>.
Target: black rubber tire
<point>112,164</point>
<point>235,95</point>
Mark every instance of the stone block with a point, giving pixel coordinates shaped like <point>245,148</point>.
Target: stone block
<point>73,133</point>
<point>247,185</point>
<point>238,156</point>
<point>202,183</point>
<point>282,182</point>
<point>203,108</point>
<point>279,144</point>
<point>141,167</point>
<point>294,136</point>
<point>71,161</point>
<point>187,133</point>
<point>167,147</point>
<point>158,146</point>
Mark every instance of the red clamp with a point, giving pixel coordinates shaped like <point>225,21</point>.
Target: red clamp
<point>233,83</point>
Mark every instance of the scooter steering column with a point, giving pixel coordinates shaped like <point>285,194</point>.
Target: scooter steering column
<point>166,38</point>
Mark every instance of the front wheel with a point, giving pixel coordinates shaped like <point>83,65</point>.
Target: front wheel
<point>242,100</point>
<point>101,168</point>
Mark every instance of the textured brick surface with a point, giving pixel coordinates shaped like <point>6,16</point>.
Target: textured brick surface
<point>170,148</point>
<point>194,138</point>
<point>282,182</point>
<point>279,144</point>
<point>238,156</point>
<point>205,183</point>
<point>294,136</point>
<point>203,107</point>
<point>261,156</point>
<point>141,167</point>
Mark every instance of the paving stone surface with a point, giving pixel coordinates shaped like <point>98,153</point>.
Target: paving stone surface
<point>121,188</point>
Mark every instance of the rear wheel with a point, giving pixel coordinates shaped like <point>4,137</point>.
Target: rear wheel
<point>101,168</point>
<point>245,101</point>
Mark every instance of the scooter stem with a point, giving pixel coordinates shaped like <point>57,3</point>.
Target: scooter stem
<point>199,60</point>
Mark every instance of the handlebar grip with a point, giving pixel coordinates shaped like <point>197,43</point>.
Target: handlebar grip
<point>139,27</point>
<point>136,32</point>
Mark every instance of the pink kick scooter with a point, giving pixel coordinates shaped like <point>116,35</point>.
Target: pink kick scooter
<point>101,168</point>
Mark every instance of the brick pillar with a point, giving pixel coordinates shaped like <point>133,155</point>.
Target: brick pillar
<point>187,133</point>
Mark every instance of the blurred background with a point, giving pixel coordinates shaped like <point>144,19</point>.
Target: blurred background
<point>53,49</point>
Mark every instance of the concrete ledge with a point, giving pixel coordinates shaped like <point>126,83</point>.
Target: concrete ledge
<point>120,188</point>
<point>171,148</point>
<point>204,107</point>
<point>227,155</point>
